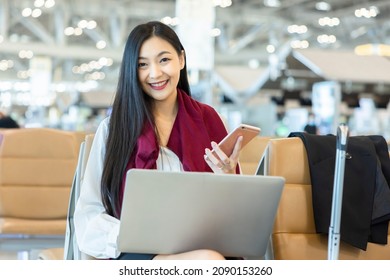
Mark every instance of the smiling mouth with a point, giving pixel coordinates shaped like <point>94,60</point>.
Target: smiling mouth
<point>159,85</point>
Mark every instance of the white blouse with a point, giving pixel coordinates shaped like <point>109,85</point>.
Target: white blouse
<point>96,231</point>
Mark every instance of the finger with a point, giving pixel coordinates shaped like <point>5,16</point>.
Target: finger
<point>221,156</point>
<point>237,148</point>
<point>212,159</point>
<point>213,167</point>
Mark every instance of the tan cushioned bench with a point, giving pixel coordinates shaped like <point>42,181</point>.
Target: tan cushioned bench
<point>250,155</point>
<point>36,172</point>
<point>294,235</point>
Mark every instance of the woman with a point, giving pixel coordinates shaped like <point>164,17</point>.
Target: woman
<point>154,124</point>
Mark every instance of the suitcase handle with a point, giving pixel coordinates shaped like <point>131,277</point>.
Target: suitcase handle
<point>337,199</point>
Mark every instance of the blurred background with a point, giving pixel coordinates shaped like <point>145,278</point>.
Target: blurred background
<point>277,64</point>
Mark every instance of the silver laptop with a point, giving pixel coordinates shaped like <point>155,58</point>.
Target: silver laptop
<point>173,212</point>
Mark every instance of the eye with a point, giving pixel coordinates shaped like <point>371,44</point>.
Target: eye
<point>164,59</point>
<point>142,64</point>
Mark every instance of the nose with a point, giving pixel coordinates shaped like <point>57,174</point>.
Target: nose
<point>155,71</point>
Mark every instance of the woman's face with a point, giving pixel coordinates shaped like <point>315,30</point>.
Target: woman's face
<point>159,68</point>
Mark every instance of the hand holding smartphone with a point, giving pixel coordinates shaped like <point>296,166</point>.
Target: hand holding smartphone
<point>247,131</point>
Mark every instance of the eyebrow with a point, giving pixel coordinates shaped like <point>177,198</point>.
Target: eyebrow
<point>160,54</point>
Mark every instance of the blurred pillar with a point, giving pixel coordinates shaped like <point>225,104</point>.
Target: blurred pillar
<point>196,21</point>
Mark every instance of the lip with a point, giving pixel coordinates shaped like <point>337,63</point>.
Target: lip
<point>159,85</point>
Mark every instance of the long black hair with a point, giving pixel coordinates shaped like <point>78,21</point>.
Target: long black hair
<point>131,109</point>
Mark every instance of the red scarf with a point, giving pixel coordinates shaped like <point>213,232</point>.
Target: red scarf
<point>195,126</point>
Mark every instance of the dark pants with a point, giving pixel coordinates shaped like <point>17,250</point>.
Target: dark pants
<point>135,256</point>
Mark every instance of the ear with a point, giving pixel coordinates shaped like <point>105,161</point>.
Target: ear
<point>182,60</point>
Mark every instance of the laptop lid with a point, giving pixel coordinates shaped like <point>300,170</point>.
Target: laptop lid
<point>173,212</point>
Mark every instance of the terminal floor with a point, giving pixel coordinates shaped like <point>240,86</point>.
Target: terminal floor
<point>14,255</point>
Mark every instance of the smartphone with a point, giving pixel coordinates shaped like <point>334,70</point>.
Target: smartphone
<point>247,131</point>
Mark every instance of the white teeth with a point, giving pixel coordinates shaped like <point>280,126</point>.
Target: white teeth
<point>158,84</point>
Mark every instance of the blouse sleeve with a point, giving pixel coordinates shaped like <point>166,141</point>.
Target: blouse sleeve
<point>96,231</point>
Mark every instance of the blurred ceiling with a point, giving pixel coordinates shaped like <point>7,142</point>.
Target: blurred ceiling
<point>253,32</point>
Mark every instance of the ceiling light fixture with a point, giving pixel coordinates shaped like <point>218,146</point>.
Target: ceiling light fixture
<point>272,3</point>
<point>323,6</point>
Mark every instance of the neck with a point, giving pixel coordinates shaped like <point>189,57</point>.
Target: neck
<point>165,116</point>
<point>166,110</point>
